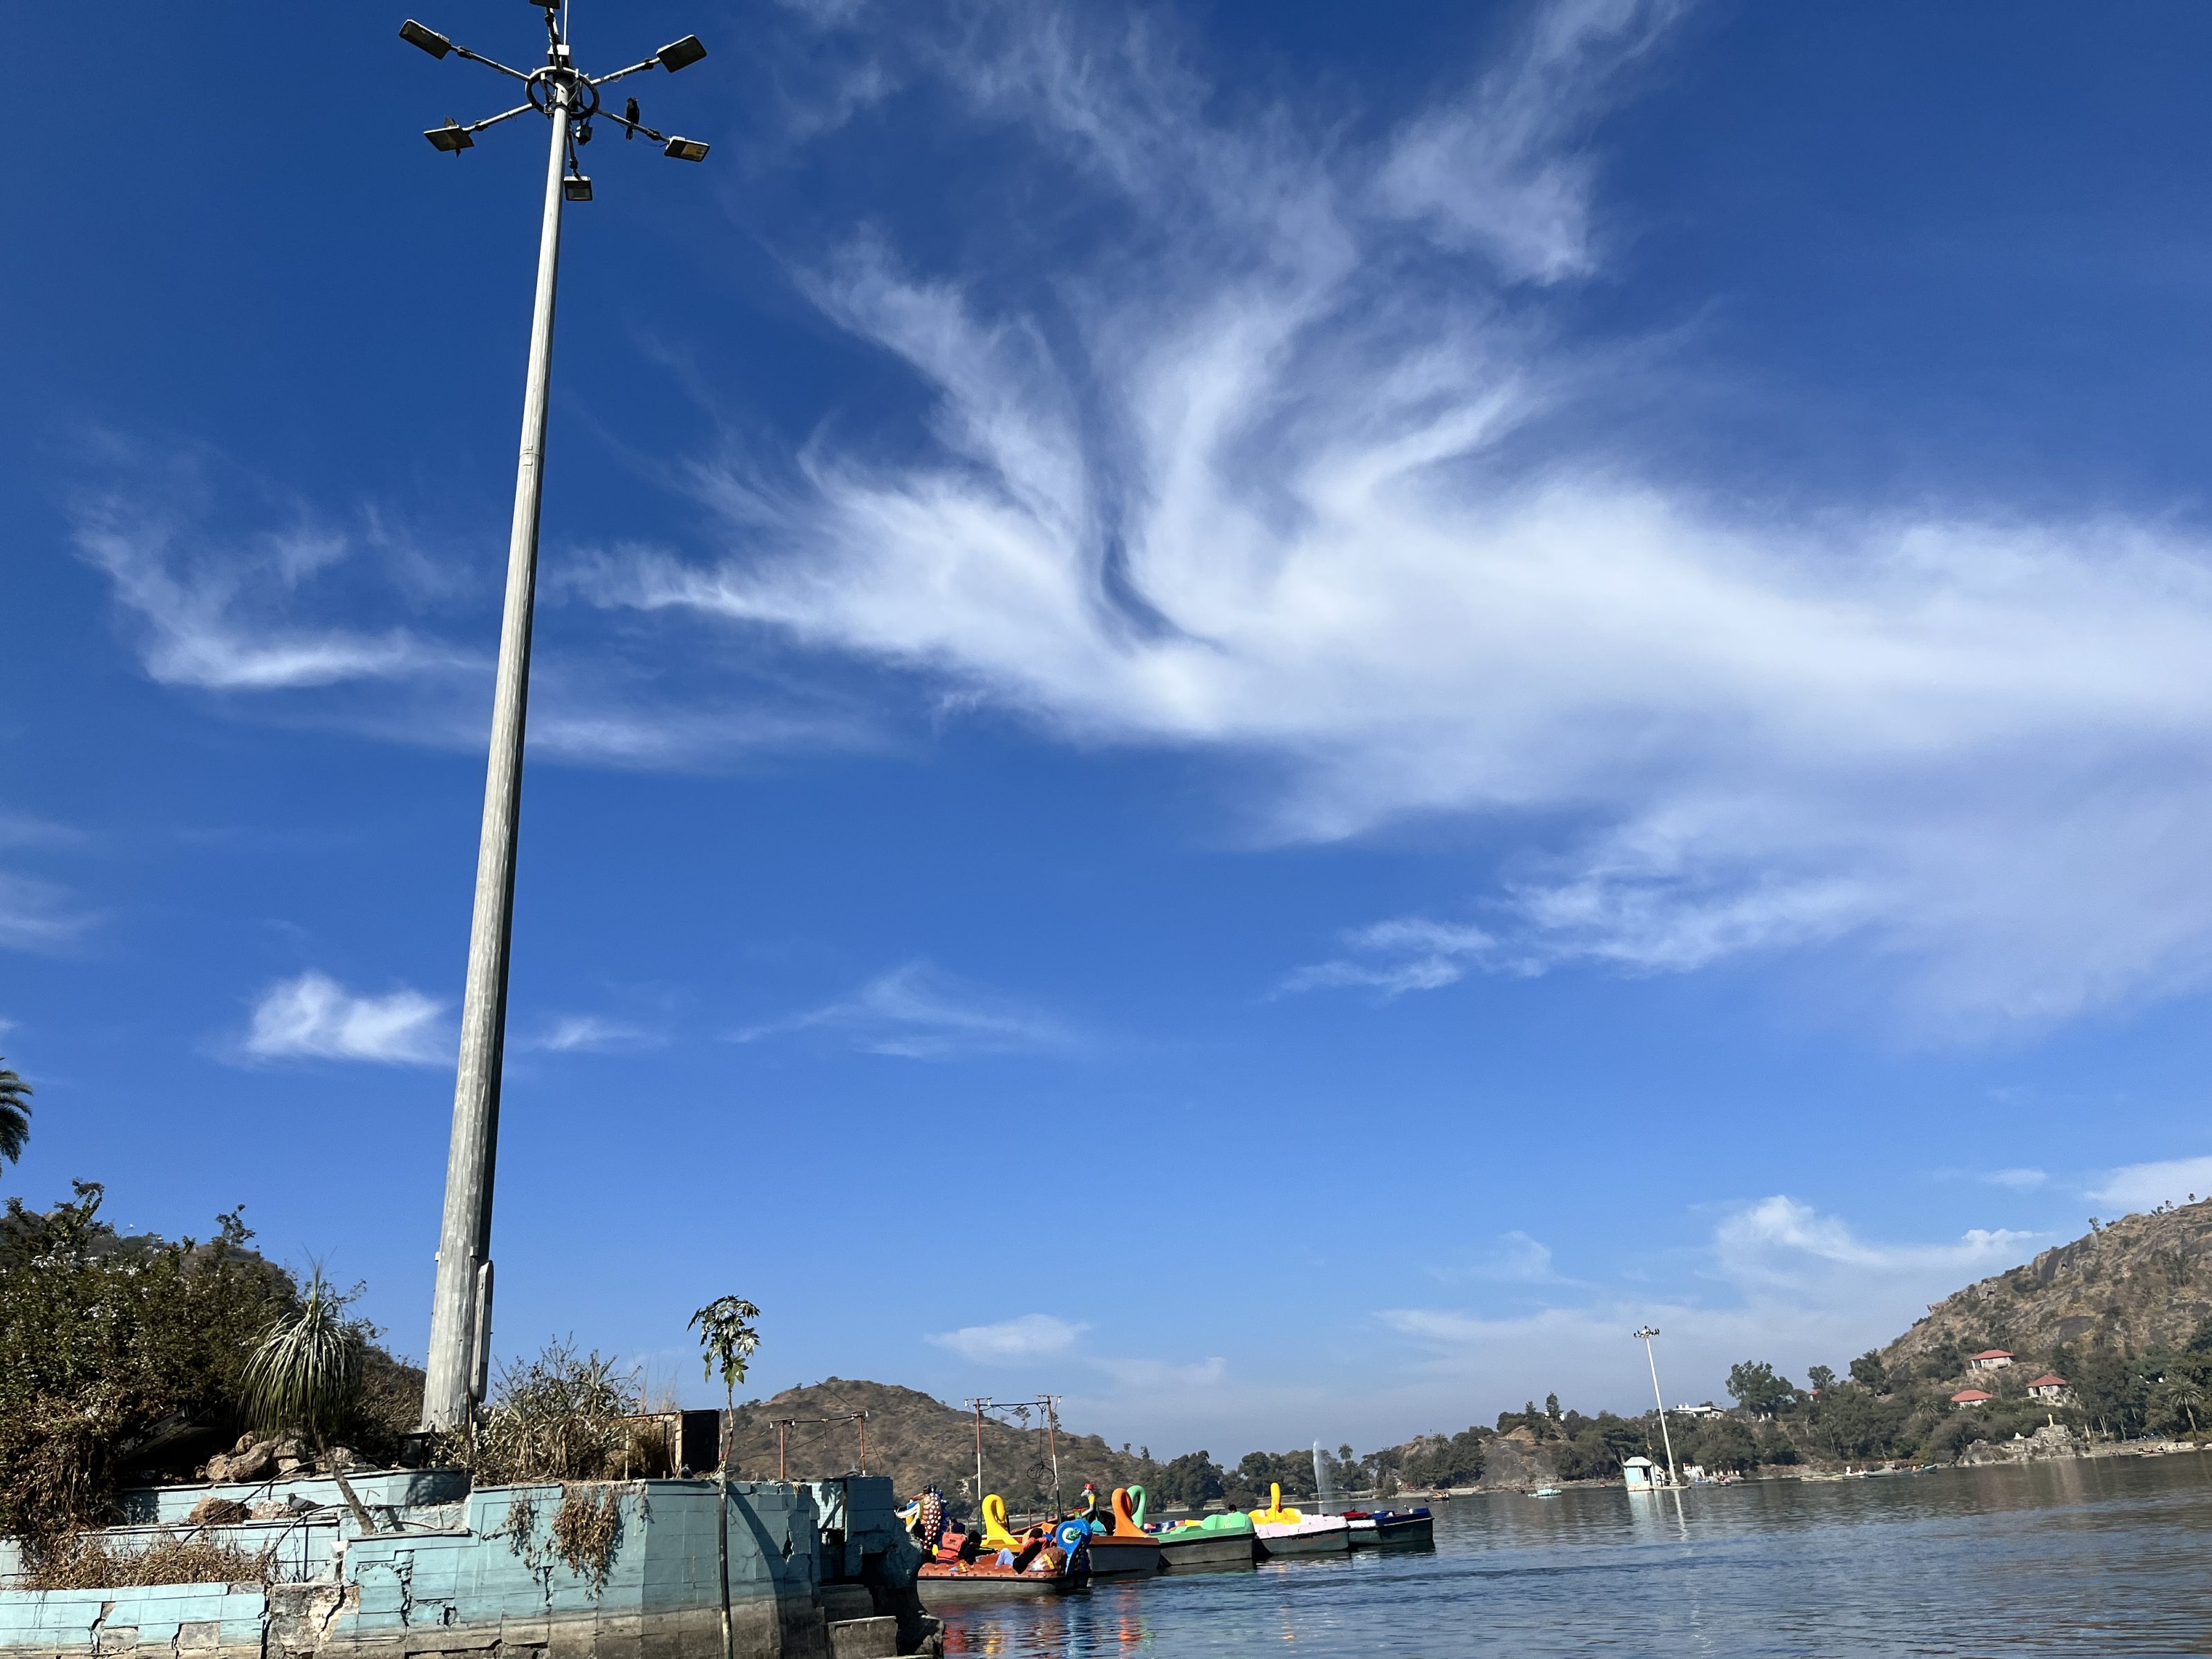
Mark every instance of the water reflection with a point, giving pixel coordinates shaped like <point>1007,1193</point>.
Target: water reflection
<point>2091,1557</point>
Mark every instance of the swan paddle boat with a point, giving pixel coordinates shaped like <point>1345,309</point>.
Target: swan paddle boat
<point>1292,1532</point>
<point>1208,1542</point>
<point>1120,1546</point>
<point>994,1563</point>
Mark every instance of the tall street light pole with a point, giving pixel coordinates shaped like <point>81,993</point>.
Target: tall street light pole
<point>1644,1334</point>
<point>460,1307</point>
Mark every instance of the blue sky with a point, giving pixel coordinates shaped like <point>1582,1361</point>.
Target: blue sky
<point>1273,714</point>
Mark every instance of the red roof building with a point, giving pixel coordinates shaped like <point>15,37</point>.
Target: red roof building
<point>1972,1397</point>
<point>2049,1385</point>
<point>1989,1359</point>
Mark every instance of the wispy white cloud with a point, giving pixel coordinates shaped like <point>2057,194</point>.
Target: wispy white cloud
<point>1159,1376</point>
<point>281,623</point>
<point>1779,1242</point>
<point>1279,477</point>
<point>1502,171</point>
<point>1787,1284</point>
<point>1515,1258</point>
<point>2023,1180</point>
<point>39,915</point>
<point>1409,953</point>
<point>2146,1186</point>
<point>1125,1380</point>
<point>312,1017</point>
<point>918,1012</point>
<point>218,615</point>
<point>1031,1336</point>
<point>591,1034</point>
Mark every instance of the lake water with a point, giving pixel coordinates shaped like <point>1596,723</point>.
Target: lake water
<point>2091,1557</point>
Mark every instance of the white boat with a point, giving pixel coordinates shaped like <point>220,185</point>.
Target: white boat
<point>1312,1535</point>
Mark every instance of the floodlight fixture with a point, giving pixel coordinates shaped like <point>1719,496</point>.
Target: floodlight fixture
<point>680,54</point>
<point>460,1307</point>
<point>1643,1334</point>
<point>429,40</point>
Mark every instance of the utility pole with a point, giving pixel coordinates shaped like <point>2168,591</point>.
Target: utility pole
<point>1051,1404</point>
<point>977,1406</point>
<point>461,1306</point>
<point>1644,1334</point>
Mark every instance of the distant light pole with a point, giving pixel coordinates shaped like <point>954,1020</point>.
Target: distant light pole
<point>1644,1335</point>
<point>461,1306</point>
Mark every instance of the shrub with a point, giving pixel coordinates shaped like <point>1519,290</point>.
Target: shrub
<point>104,1339</point>
<point>557,1416</point>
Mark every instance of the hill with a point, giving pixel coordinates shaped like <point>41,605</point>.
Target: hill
<point>2144,1282</point>
<point>917,1440</point>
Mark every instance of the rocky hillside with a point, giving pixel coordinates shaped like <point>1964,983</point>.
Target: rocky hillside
<point>915,1439</point>
<point>2143,1282</point>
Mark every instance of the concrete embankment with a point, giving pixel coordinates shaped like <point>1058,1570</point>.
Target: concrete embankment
<point>817,1570</point>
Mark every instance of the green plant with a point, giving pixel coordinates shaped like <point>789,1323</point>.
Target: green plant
<point>305,1374</point>
<point>14,1116</point>
<point>728,1337</point>
<point>103,1341</point>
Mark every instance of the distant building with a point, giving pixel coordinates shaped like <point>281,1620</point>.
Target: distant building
<point>1989,1359</point>
<point>2049,1385</point>
<point>1972,1397</point>
<point>1640,1473</point>
<point>1707,1409</point>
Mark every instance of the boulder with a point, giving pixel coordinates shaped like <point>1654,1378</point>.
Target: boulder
<point>213,1511</point>
<point>253,1459</point>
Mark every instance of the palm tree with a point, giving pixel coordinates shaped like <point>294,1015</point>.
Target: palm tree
<point>14,1115</point>
<point>2179,1393</point>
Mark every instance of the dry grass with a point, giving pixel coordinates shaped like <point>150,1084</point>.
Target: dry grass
<point>556,1417</point>
<point>86,1562</point>
<point>587,1531</point>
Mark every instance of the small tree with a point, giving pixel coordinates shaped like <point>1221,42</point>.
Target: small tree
<point>1821,1377</point>
<point>1758,1389</point>
<point>14,1116</point>
<point>303,1377</point>
<point>1869,1373</point>
<point>728,1337</point>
